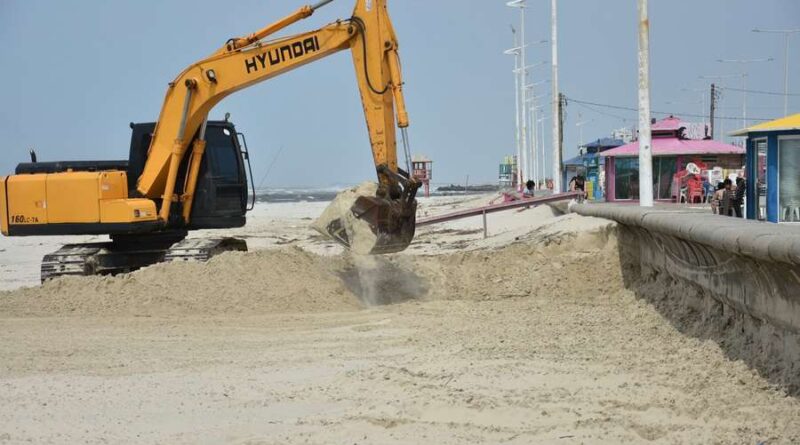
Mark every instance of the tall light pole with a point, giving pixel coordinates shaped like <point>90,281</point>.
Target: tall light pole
<point>515,51</point>
<point>580,125</point>
<point>536,161</point>
<point>520,4</point>
<point>645,137</point>
<point>744,81</point>
<point>786,33</point>
<point>524,130</point>
<point>531,134</point>
<point>556,100</point>
<point>540,121</point>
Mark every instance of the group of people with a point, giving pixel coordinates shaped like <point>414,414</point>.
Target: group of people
<point>729,199</point>
<point>576,184</point>
<point>530,187</point>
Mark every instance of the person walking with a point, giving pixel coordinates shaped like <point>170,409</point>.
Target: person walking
<point>726,203</point>
<point>578,184</point>
<point>716,199</point>
<point>738,196</point>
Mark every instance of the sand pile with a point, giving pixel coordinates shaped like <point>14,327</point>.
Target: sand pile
<point>565,254</point>
<point>288,280</point>
<point>574,256</point>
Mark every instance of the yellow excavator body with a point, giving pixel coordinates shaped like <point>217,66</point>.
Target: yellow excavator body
<point>154,195</point>
<point>38,200</point>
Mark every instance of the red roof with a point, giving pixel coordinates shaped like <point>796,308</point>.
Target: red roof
<point>675,146</point>
<point>669,124</point>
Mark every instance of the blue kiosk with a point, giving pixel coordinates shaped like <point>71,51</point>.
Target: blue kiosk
<point>773,170</point>
<point>588,161</point>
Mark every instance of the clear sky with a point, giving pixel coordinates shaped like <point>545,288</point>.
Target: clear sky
<point>76,73</point>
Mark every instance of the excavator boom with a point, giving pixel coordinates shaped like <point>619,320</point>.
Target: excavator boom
<point>245,61</point>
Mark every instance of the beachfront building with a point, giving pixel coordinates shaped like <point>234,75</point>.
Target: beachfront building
<point>623,134</point>
<point>773,163</point>
<point>588,163</point>
<point>676,146</point>
<point>422,168</point>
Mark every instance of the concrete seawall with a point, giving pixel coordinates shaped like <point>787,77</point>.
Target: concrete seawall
<point>734,281</point>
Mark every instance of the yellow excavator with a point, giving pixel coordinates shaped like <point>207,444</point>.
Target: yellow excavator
<point>186,173</point>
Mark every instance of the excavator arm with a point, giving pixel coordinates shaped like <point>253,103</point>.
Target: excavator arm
<point>245,61</point>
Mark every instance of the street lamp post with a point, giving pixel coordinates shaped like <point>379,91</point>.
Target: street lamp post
<point>520,4</point>
<point>556,99</point>
<point>516,53</point>
<point>540,121</point>
<point>786,33</point>
<point>580,129</point>
<point>530,146</point>
<point>744,81</point>
<point>534,138</point>
<point>527,157</point>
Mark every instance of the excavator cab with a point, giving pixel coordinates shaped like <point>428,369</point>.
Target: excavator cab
<point>222,198</point>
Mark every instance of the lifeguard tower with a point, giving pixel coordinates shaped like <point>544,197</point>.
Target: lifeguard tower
<point>423,172</point>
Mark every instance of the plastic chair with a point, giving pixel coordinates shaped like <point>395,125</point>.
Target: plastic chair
<point>696,197</point>
<point>694,192</point>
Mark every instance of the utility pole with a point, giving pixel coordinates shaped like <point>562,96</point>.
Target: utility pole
<point>717,99</point>
<point>786,33</point>
<point>556,99</point>
<point>713,107</point>
<point>645,136</point>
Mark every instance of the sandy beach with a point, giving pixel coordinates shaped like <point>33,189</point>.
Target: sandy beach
<point>527,336</point>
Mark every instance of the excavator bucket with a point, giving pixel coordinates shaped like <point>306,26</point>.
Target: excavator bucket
<point>367,224</point>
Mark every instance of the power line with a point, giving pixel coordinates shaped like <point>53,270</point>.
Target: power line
<point>769,93</point>
<point>668,113</point>
<point>604,113</point>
